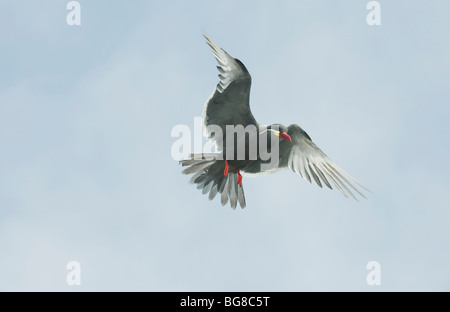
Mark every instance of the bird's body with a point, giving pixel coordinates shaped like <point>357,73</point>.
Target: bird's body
<point>246,149</point>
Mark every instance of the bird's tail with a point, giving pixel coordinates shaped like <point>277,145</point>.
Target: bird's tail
<point>210,178</point>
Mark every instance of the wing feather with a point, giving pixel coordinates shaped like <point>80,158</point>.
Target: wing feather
<point>229,104</point>
<point>230,70</point>
<point>307,160</point>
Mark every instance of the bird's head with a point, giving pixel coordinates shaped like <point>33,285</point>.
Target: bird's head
<point>280,131</point>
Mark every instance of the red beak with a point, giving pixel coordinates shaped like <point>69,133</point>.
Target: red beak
<point>285,136</point>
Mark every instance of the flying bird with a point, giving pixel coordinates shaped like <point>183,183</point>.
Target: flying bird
<point>229,105</point>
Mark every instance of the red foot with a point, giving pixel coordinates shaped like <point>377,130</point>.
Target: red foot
<point>239,177</point>
<point>225,172</point>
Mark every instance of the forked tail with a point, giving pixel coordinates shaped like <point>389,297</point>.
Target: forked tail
<point>208,174</point>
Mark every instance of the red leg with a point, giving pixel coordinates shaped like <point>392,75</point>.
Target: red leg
<point>239,177</point>
<point>225,172</point>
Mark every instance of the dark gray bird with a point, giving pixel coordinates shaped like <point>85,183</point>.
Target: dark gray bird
<point>229,105</point>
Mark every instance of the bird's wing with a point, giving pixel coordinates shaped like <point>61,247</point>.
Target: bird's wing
<point>305,158</point>
<point>229,103</point>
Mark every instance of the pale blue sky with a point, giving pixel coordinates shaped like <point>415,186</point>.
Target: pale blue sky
<point>86,172</point>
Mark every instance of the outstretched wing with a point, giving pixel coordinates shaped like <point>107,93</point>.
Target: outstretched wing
<point>229,103</point>
<point>305,158</point>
